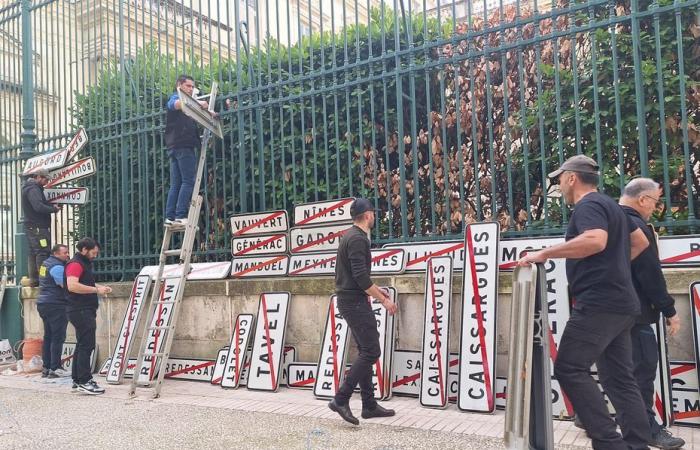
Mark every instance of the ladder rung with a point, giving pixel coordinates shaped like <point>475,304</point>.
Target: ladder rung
<point>173,252</point>
<point>156,354</point>
<point>165,302</point>
<point>164,327</point>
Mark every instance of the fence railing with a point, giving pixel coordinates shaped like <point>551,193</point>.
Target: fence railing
<point>442,113</point>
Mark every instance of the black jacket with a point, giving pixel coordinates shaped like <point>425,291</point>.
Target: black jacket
<point>75,301</point>
<point>353,264</point>
<point>180,130</point>
<point>649,281</point>
<point>37,210</point>
<point>50,292</point>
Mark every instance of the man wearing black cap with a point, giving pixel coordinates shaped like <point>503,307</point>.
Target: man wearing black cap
<point>600,241</point>
<point>37,221</point>
<point>352,285</point>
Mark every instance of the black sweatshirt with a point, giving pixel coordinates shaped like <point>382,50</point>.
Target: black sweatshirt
<point>353,264</point>
<point>647,277</point>
<point>37,210</point>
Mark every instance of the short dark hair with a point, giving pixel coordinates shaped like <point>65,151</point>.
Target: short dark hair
<point>87,243</point>
<point>590,179</point>
<point>57,247</point>
<point>182,78</point>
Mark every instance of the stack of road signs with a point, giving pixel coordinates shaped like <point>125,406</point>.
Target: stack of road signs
<point>407,369</point>
<point>63,171</point>
<point>477,353</point>
<point>268,342</point>
<point>260,244</point>
<point>686,398</point>
<point>434,390</point>
<point>316,235</point>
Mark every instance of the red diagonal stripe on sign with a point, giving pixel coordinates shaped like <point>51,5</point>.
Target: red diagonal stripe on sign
<point>259,244</point>
<point>696,301</point>
<point>265,219</point>
<point>316,264</point>
<point>273,379</point>
<point>334,348</point>
<point>259,266</point>
<point>189,369</point>
<point>302,383</point>
<point>127,333</point>
<point>444,251</point>
<point>659,407</point>
<point>216,380</point>
<point>67,358</point>
<point>237,350</point>
<point>553,352</point>
<point>65,194</point>
<point>508,265</point>
<point>155,342</point>
<point>325,210</point>
<point>686,415</point>
<point>437,331</point>
<point>480,318</point>
<point>386,255</point>
<point>64,173</point>
<point>681,257</point>
<point>681,369</point>
<point>320,241</point>
<point>416,376</point>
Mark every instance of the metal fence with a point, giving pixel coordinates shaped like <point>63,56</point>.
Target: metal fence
<point>443,113</point>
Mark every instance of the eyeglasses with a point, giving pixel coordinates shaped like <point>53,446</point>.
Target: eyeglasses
<point>657,201</point>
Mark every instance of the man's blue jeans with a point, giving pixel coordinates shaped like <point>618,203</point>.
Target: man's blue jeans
<point>183,165</point>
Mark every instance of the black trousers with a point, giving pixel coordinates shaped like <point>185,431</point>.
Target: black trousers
<point>85,324</point>
<point>357,312</point>
<point>55,322</point>
<point>603,339</point>
<point>39,243</point>
<point>646,360</point>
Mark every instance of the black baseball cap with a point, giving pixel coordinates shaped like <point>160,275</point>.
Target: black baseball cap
<point>578,163</point>
<point>359,206</point>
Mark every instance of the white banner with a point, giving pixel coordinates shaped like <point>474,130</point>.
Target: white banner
<point>477,371</point>
<point>323,212</point>
<point>333,353</point>
<point>125,338</point>
<point>436,326</point>
<point>268,341</point>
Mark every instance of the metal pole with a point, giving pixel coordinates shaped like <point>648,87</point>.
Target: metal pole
<point>28,136</point>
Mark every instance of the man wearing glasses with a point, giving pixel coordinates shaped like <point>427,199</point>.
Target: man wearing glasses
<point>639,200</point>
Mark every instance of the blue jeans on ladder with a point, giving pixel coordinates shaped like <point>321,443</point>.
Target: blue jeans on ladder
<point>183,167</point>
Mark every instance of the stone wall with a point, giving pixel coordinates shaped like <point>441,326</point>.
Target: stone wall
<point>210,306</point>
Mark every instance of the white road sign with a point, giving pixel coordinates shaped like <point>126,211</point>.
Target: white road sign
<point>193,109</point>
<point>270,222</point>
<point>71,172</point>
<point>323,212</point>
<point>317,239</point>
<point>259,245</point>
<point>260,266</point>
<point>268,342</point>
<point>58,158</point>
<point>67,196</point>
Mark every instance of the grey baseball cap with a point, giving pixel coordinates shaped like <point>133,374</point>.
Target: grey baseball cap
<point>40,173</point>
<point>578,163</point>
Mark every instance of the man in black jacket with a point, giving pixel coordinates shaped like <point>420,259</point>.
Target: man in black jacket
<point>37,221</point>
<point>639,200</point>
<point>352,285</point>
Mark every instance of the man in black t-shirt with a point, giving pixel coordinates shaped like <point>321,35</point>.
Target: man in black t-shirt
<point>600,241</point>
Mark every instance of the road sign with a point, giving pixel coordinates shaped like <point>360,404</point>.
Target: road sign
<point>679,251</point>
<point>317,239</point>
<point>192,369</point>
<point>74,171</point>
<point>194,110</point>
<point>260,266</point>
<point>67,196</point>
<point>259,245</point>
<point>333,353</point>
<point>270,222</point>
<point>323,212</point>
<point>240,340</point>
<point>58,158</point>
<point>418,253</point>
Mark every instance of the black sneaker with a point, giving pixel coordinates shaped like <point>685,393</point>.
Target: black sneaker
<point>74,388</point>
<point>90,388</point>
<point>44,373</point>
<point>666,441</point>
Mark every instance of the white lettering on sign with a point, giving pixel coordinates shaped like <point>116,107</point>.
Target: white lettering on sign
<point>219,366</point>
<point>125,339</point>
<point>156,338</point>
<point>683,375</point>
<point>271,222</point>
<point>268,341</point>
<point>511,250</point>
<point>381,370</point>
<point>679,251</point>
<point>67,196</point>
<point>259,245</point>
<point>323,212</point>
<point>301,375</point>
<point>67,352</point>
<point>58,158</point>
<point>417,254</point>
<point>662,382</point>
<point>240,341</point>
<point>333,353</point>
<point>436,324</point>
<point>477,373</point>
<point>388,261</point>
<point>260,266</point>
<point>71,172</point>
<point>312,264</point>
<point>317,239</point>
<point>189,369</point>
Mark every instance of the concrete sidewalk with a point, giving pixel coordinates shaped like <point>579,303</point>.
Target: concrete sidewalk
<point>267,415</point>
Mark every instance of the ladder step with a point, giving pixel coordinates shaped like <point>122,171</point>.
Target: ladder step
<point>156,354</point>
<point>164,328</point>
<point>165,302</point>
<point>174,252</point>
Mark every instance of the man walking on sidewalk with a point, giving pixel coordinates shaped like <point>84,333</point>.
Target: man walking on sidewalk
<point>82,292</point>
<point>353,284</point>
<point>639,200</point>
<point>51,306</point>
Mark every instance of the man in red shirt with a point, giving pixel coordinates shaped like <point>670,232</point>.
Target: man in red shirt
<point>81,294</point>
